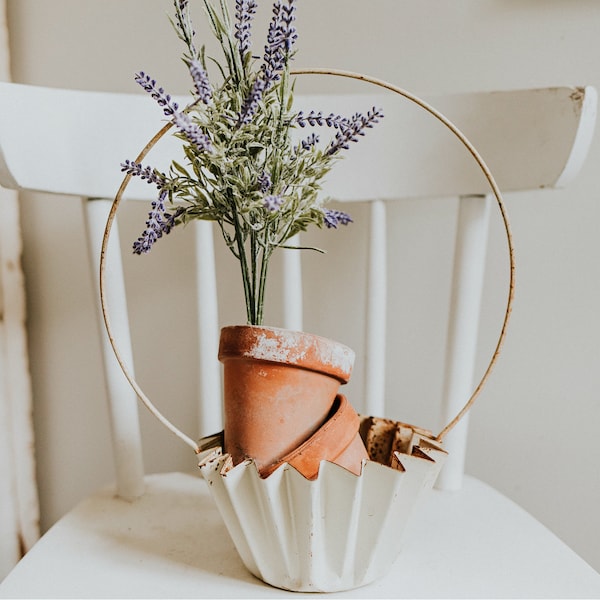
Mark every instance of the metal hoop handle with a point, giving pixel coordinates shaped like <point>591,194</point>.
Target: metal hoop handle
<point>422,104</point>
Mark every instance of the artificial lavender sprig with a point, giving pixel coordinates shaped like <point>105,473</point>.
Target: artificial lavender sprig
<point>162,98</point>
<point>201,82</point>
<point>281,37</point>
<point>192,132</point>
<point>308,143</point>
<point>183,26</point>
<point>356,127</point>
<point>313,118</point>
<point>171,109</point>
<point>280,40</point>
<point>146,173</point>
<point>252,101</point>
<point>333,218</point>
<point>272,202</point>
<point>244,13</point>
<point>264,182</point>
<point>159,223</point>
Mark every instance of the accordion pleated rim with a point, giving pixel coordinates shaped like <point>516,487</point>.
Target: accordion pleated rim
<point>337,532</point>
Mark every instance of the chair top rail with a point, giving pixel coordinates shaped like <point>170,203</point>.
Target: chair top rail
<point>511,129</point>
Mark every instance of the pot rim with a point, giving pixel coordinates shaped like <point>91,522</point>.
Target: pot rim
<point>287,347</point>
<point>342,425</point>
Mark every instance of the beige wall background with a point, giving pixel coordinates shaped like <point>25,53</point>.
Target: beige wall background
<point>534,433</point>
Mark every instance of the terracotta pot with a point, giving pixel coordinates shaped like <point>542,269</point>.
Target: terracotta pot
<point>338,440</point>
<point>280,388</point>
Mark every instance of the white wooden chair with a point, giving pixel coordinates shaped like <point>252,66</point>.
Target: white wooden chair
<point>470,542</point>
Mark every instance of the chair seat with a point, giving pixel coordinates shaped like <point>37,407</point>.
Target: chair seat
<point>172,543</point>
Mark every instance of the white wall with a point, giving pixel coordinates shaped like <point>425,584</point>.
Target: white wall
<point>534,430</point>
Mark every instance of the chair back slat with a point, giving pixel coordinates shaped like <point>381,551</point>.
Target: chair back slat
<point>376,312</point>
<point>210,419</point>
<point>463,327</point>
<point>292,289</point>
<point>122,401</point>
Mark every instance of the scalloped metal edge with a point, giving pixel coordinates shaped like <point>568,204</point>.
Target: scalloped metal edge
<point>337,532</point>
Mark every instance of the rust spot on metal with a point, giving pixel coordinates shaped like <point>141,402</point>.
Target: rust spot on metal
<point>387,441</point>
<point>578,94</point>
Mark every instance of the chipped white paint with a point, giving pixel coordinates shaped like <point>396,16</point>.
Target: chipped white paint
<point>19,514</point>
<point>19,506</point>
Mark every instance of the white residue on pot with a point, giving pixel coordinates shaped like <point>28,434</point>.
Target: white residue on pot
<point>283,348</point>
<point>295,347</point>
<point>339,356</point>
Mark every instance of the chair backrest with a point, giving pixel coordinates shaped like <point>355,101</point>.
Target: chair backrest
<point>71,143</point>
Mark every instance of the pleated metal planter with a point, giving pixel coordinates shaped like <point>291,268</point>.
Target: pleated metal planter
<point>339,530</point>
<point>336,532</point>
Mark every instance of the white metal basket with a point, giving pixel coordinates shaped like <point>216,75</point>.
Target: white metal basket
<point>336,532</point>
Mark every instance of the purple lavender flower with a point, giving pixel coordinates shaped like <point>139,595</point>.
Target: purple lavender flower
<point>147,173</point>
<point>313,118</point>
<point>192,132</point>
<point>252,101</point>
<point>280,40</point>
<point>333,218</point>
<point>273,203</point>
<point>159,223</point>
<point>356,127</point>
<point>171,219</point>
<point>183,25</point>
<point>308,143</point>
<point>170,108</point>
<point>244,13</point>
<point>163,99</point>
<point>201,82</point>
<point>264,182</point>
